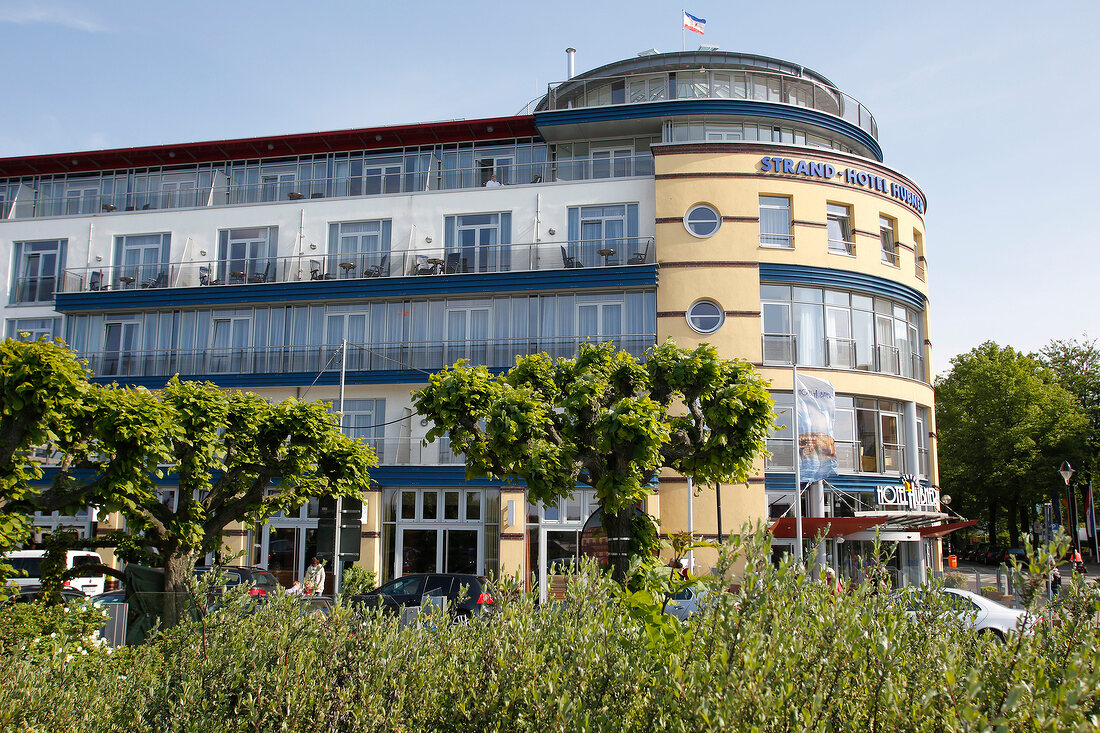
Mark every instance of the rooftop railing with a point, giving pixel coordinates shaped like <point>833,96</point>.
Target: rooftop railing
<point>758,86</point>
<point>446,260</point>
<point>426,356</point>
<point>103,197</point>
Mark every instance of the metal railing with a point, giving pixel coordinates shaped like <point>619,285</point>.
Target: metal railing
<point>716,83</point>
<point>891,257</point>
<point>847,457</point>
<point>778,350</point>
<point>27,203</point>
<point>33,289</point>
<point>423,356</point>
<point>841,247</point>
<point>921,267</point>
<point>447,260</point>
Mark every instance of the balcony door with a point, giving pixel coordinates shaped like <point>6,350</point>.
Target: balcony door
<point>611,162</point>
<point>467,332</point>
<point>599,322</point>
<point>246,255</point>
<point>140,260</point>
<point>478,243</point>
<point>229,345</point>
<point>118,347</point>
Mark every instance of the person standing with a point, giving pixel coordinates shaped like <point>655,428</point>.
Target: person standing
<point>315,578</point>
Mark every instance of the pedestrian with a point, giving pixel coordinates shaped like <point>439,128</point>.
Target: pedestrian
<point>294,590</point>
<point>1056,581</point>
<point>833,582</point>
<point>315,578</point>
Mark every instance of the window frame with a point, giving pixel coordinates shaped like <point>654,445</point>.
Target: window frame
<point>689,316</point>
<point>703,207</point>
<point>841,215</point>
<point>789,236</point>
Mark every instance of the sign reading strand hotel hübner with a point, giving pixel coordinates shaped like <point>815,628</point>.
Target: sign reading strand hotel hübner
<point>850,176</point>
<point>909,496</point>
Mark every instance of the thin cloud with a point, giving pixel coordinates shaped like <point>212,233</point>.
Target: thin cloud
<point>51,14</point>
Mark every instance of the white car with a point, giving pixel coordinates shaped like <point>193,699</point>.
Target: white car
<point>685,603</point>
<point>27,564</point>
<point>977,612</point>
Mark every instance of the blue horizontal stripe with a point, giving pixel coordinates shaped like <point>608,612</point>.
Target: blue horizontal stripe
<point>322,291</point>
<point>740,107</point>
<point>290,379</point>
<point>843,279</point>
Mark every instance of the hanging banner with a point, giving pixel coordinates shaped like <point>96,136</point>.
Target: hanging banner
<point>816,411</point>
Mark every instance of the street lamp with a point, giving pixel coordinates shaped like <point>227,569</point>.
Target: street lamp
<point>1067,473</point>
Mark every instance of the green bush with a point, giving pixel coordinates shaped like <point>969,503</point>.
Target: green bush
<point>358,580</point>
<point>955,580</point>
<point>991,591</point>
<point>782,653</point>
<point>36,628</point>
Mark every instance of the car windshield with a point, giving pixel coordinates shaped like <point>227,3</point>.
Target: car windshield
<point>408,586</point>
<point>263,579</point>
<point>86,560</point>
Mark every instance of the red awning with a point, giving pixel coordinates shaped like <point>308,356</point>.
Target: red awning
<point>812,526</point>
<point>942,530</point>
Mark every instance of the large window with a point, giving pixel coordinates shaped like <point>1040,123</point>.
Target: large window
<point>841,330</point>
<point>868,435</point>
<point>141,260</point>
<point>37,268</point>
<point>32,329</point>
<point>478,243</point>
<point>775,222</point>
<point>247,255</point>
<point>363,420</point>
<point>888,236</point>
<point>840,229</point>
<point>604,235</point>
<point>357,249</point>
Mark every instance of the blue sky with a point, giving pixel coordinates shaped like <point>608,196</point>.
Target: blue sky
<point>989,106</point>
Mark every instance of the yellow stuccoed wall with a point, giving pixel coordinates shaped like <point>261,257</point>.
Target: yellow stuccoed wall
<point>725,268</point>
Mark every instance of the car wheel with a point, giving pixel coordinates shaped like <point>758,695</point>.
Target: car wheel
<point>991,633</point>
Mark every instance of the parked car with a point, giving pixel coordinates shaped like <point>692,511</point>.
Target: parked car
<point>992,553</point>
<point>1017,553</point>
<point>29,563</point>
<point>30,593</point>
<point>685,603</point>
<point>261,581</point>
<point>973,611</point>
<point>111,596</point>
<point>410,590</point>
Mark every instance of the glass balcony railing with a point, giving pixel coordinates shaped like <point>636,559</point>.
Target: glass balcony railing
<point>779,349</point>
<point>407,355</point>
<point>447,260</point>
<point>755,85</point>
<point>103,197</point>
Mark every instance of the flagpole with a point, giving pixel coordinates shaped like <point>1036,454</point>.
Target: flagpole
<point>683,31</point>
<point>795,452</point>
<point>1092,513</point>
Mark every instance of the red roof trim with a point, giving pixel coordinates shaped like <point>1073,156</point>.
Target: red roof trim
<point>367,138</point>
<point>811,526</point>
<point>942,530</point>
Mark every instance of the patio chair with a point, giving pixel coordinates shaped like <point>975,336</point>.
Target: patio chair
<point>567,261</point>
<point>376,270</point>
<point>640,258</point>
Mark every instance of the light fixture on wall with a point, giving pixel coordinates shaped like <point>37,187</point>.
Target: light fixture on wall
<point>552,231</point>
<point>99,258</point>
<point>424,422</point>
<point>313,245</point>
<point>428,240</point>
<point>202,253</point>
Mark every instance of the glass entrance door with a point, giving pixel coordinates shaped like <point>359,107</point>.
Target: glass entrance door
<point>440,550</point>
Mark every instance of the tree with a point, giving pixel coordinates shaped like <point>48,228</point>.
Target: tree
<point>1077,366</point>
<point>1004,424</point>
<point>604,420</point>
<point>235,457</point>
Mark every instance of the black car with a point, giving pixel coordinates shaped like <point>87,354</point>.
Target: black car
<point>467,595</point>
<point>262,581</point>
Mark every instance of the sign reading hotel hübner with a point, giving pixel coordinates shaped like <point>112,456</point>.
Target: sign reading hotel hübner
<point>909,496</point>
<point>851,176</point>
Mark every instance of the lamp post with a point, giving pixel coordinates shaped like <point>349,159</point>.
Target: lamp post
<point>1067,473</point>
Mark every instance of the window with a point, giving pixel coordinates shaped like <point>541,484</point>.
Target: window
<point>37,268</point>
<point>840,229</point>
<point>119,343</point>
<point>887,229</point>
<point>247,255</point>
<point>600,319</point>
<point>702,221</point>
<point>920,263</point>
<point>841,330</point>
<point>229,339</point>
<point>603,235</point>
<point>775,222</point>
<point>141,260</point>
<point>32,329</point>
<point>356,249</point>
<point>363,420</point>
<point>477,243</point>
<point>705,316</point>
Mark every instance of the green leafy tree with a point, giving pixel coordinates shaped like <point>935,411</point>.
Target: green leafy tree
<point>1077,366</point>
<point>1004,424</point>
<point>234,456</point>
<point>605,420</point>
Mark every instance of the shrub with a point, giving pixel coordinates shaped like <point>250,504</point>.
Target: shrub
<point>358,580</point>
<point>955,580</point>
<point>991,591</point>
<point>37,628</point>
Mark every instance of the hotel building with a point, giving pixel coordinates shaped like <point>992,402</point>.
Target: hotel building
<point>700,196</point>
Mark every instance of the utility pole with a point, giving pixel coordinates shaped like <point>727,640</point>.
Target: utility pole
<point>337,565</point>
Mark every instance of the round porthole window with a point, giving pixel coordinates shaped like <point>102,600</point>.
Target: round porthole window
<point>702,221</point>
<point>705,316</point>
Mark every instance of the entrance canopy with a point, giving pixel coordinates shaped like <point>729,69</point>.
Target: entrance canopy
<point>832,527</point>
<point>942,530</point>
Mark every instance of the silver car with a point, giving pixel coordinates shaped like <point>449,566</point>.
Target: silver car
<point>976,612</point>
<point>685,603</point>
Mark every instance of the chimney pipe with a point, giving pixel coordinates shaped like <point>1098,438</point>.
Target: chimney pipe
<point>570,53</point>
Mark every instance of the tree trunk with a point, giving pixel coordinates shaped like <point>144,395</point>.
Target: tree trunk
<point>1013,524</point>
<point>178,572</point>
<point>619,533</point>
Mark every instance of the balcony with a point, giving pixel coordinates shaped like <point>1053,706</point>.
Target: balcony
<point>841,353</point>
<point>452,260</point>
<point>715,83</point>
<point>416,356</point>
<point>114,195</point>
<point>33,289</point>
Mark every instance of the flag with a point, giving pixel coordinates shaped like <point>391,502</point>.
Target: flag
<point>694,24</point>
<point>816,411</point>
